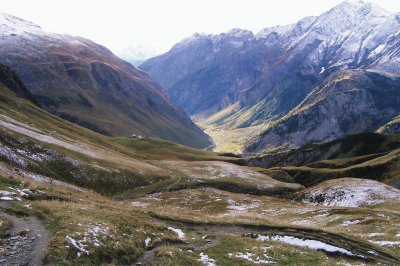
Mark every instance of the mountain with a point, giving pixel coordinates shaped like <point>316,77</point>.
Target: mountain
<point>85,83</point>
<point>348,102</point>
<point>137,54</point>
<point>72,196</point>
<point>240,79</point>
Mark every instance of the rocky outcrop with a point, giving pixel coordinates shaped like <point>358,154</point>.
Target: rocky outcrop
<point>348,103</point>
<point>392,127</point>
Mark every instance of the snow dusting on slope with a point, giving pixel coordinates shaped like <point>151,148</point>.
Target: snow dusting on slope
<point>94,236</point>
<point>250,257</point>
<point>350,192</point>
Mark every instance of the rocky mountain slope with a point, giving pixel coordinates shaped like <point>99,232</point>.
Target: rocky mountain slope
<point>85,83</point>
<point>241,79</point>
<point>392,127</point>
<point>349,102</point>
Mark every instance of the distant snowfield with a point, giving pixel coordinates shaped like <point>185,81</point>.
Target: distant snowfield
<point>350,192</point>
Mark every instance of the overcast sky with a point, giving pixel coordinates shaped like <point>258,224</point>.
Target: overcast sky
<point>161,23</point>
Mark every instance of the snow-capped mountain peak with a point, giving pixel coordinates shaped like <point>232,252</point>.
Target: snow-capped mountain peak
<point>15,25</point>
<point>240,33</point>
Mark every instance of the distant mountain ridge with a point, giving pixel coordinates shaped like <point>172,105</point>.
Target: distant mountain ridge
<point>245,79</point>
<point>137,54</point>
<point>85,83</point>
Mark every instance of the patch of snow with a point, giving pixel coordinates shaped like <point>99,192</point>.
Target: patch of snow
<point>22,193</point>
<point>312,244</point>
<point>147,241</point>
<point>373,252</point>
<point>39,157</point>
<point>179,232</point>
<point>347,223</point>
<point>6,193</point>
<point>386,243</point>
<point>78,245</point>
<point>205,260</point>
<point>9,155</point>
<point>249,257</point>
<point>139,204</point>
<point>322,70</point>
<point>236,208</point>
<point>301,222</point>
<point>353,193</point>
<point>375,234</point>
<point>93,236</point>
<point>7,198</point>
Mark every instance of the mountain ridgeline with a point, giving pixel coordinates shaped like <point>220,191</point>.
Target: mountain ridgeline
<point>85,83</point>
<point>318,79</point>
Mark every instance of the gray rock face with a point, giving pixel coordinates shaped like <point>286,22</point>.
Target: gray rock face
<point>393,127</point>
<point>270,74</point>
<point>350,102</point>
<point>85,83</point>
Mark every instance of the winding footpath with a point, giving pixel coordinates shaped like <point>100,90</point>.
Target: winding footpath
<point>26,243</point>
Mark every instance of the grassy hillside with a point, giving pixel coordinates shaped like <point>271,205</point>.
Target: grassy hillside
<point>367,155</point>
<point>113,201</point>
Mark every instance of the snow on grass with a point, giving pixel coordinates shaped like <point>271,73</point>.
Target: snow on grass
<point>93,236</point>
<point>147,241</point>
<point>300,222</point>
<point>349,192</point>
<point>139,204</point>
<point>38,157</point>
<point>205,260</point>
<point>179,232</point>
<point>312,244</point>
<point>249,257</point>
<point>375,235</point>
<point>347,223</point>
<point>22,193</point>
<point>373,252</point>
<point>8,170</point>
<point>6,193</point>
<point>10,196</point>
<point>37,134</point>
<point>9,155</point>
<point>7,198</point>
<point>236,208</point>
<point>386,243</point>
<point>78,245</point>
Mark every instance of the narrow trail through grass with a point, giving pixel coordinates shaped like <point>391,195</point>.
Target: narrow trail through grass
<point>27,241</point>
